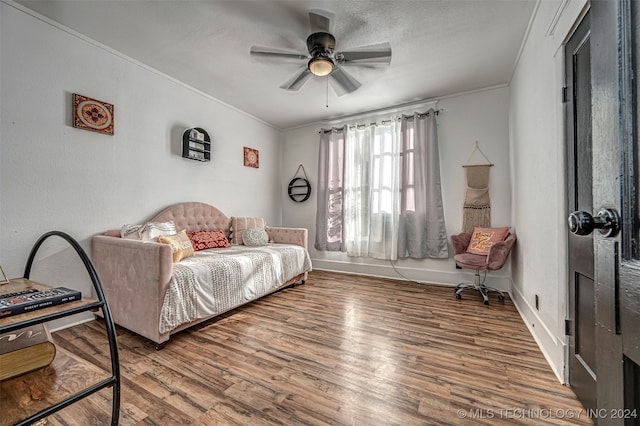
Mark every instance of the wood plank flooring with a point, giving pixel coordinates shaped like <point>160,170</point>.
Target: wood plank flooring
<point>339,350</point>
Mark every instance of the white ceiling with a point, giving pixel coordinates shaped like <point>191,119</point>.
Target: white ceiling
<point>440,47</point>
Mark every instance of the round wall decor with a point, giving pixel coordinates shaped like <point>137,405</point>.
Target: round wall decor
<point>299,189</point>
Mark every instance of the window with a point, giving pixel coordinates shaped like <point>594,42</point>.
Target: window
<point>385,164</point>
<point>385,213</point>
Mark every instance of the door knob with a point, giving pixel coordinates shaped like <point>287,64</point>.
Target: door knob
<point>607,221</point>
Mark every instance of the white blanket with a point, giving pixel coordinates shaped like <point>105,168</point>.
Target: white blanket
<point>217,280</point>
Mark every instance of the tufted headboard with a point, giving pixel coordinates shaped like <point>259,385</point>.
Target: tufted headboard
<point>194,216</point>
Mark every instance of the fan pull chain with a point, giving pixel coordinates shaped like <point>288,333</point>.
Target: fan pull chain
<point>327,105</point>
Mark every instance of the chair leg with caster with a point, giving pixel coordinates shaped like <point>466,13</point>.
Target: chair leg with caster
<point>485,296</point>
<point>500,293</point>
<point>479,286</point>
<point>461,287</point>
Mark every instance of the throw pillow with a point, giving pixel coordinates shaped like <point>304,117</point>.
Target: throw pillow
<point>255,237</point>
<point>239,224</point>
<point>131,232</point>
<point>210,238</point>
<point>153,230</point>
<point>180,245</point>
<point>483,238</point>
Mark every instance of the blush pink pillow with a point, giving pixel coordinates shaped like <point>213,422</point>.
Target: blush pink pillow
<point>483,238</point>
<point>202,240</point>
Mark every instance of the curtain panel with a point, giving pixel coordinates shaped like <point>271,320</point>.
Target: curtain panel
<point>372,191</point>
<point>422,232</point>
<point>329,217</point>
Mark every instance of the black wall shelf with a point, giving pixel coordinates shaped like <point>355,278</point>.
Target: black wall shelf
<point>194,147</point>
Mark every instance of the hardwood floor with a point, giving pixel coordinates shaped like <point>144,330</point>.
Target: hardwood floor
<point>341,349</point>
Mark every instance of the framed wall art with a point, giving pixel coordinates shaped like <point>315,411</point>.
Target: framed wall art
<point>92,114</point>
<point>251,157</point>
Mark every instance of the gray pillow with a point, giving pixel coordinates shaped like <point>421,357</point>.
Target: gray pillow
<point>255,237</point>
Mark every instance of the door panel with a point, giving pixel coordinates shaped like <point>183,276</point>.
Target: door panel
<point>585,324</point>
<point>630,311</point>
<point>629,284</point>
<point>630,267</point>
<point>614,40</point>
<point>631,387</point>
<point>582,346</point>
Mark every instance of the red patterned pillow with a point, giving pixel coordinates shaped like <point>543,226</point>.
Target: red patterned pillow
<point>483,238</point>
<point>211,238</point>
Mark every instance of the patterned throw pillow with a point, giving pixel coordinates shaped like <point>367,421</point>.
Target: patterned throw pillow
<point>239,224</point>
<point>255,237</point>
<point>180,245</point>
<point>131,232</point>
<point>153,230</point>
<point>483,238</point>
<point>210,238</point>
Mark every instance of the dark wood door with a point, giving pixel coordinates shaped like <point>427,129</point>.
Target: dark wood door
<point>582,344</point>
<point>614,60</point>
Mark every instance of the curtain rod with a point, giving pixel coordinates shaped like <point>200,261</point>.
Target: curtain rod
<point>381,122</point>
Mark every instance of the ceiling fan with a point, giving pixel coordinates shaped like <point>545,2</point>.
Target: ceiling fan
<point>323,60</point>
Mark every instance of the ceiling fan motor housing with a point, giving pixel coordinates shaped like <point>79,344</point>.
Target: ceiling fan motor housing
<point>320,43</point>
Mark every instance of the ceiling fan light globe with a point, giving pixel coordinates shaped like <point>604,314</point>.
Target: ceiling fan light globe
<point>320,66</point>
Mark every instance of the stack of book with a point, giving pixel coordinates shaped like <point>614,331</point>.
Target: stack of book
<point>25,350</point>
<point>31,299</point>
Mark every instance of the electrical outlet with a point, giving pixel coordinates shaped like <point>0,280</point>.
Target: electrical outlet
<point>537,303</point>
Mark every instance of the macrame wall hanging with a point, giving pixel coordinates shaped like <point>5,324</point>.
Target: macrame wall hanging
<point>477,205</point>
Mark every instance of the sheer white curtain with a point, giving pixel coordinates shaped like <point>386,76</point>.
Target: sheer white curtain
<point>371,201</point>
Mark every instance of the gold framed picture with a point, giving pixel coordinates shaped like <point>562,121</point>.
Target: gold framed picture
<point>251,157</point>
<point>92,114</point>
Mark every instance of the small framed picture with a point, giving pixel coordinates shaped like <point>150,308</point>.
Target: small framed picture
<point>251,157</point>
<point>5,280</point>
<point>92,114</point>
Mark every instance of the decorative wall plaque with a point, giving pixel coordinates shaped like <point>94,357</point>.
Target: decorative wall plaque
<point>251,157</point>
<point>92,114</point>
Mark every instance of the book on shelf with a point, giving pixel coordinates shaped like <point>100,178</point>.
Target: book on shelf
<point>31,300</point>
<point>25,350</point>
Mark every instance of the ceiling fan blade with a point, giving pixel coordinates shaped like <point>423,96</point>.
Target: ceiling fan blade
<point>366,55</point>
<point>320,21</point>
<point>343,82</point>
<point>298,80</point>
<point>275,53</point>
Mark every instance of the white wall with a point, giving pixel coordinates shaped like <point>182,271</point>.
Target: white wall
<point>56,177</point>
<point>467,118</point>
<point>539,184</point>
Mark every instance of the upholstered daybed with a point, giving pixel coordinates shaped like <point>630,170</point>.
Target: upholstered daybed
<point>152,296</point>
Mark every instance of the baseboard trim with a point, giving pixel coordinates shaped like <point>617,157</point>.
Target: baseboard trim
<point>552,348</point>
<point>425,276</point>
<point>71,321</point>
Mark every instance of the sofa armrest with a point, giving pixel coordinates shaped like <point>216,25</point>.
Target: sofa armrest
<point>135,276</point>
<point>297,236</point>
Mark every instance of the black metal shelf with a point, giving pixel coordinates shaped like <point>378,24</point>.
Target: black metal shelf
<point>196,153</point>
<point>34,317</point>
